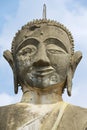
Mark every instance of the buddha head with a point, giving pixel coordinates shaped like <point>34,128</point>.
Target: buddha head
<point>42,56</point>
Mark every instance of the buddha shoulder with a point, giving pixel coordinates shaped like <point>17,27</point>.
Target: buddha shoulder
<point>76,118</point>
<point>16,115</point>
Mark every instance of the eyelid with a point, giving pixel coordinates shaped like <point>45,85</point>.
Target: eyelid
<point>55,48</point>
<point>56,42</point>
<point>26,50</point>
<point>55,51</point>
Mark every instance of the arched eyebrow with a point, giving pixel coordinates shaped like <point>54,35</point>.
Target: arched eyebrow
<point>56,42</point>
<point>29,41</point>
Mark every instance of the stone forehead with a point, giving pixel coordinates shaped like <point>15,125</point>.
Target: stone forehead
<point>26,31</point>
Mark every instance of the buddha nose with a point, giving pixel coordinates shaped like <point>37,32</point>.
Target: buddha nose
<point>41,59</point>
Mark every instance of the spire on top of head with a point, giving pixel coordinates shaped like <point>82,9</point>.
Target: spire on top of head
<point>44,11</point>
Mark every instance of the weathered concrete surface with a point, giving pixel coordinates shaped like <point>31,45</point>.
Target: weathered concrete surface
<point>43,61</point>
<point>23,116</point>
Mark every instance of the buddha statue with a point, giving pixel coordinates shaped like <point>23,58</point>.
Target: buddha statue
<point>43,61</point>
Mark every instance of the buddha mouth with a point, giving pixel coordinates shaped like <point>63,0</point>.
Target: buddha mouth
<point>40,72</point>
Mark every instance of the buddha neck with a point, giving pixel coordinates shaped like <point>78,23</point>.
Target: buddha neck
<point>36,98</point>
<point>40,96</point>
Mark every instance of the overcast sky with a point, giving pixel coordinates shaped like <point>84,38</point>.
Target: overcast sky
<point>16,13</point>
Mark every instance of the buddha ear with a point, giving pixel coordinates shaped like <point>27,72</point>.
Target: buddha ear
<point>75,60</point>
<point>8,56</point>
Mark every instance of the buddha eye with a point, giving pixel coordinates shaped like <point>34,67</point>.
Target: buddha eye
<point>28,50</point>
<point>54,51</point>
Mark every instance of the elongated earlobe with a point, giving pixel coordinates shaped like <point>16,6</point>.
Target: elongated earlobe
<point>15,80</point>
<point>69,82</point>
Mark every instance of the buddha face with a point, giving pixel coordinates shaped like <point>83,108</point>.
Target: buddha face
<point>42,59</point>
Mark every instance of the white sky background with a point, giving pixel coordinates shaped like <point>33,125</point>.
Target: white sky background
<point>71,13</point>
